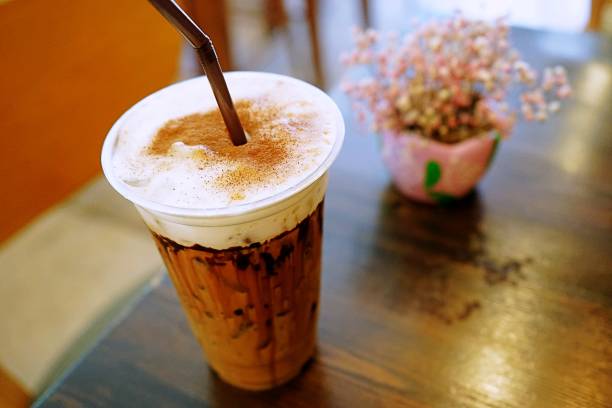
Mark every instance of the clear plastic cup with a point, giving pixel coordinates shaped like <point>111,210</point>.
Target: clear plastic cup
<point>247,276</point>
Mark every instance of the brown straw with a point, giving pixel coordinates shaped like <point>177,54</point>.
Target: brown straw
<point>208,58</point>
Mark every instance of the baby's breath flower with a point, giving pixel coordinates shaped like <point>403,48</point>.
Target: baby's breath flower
<point>554,106</point>
<point>443,80</point>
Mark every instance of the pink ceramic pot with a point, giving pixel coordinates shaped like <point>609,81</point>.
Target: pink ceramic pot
<point>433,172</point>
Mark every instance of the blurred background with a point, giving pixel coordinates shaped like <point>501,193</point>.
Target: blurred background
<point>73,254</point>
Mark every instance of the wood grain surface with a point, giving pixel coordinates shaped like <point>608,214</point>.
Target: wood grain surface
<point>501,300</point>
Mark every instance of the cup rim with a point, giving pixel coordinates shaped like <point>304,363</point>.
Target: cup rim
<point>127,192</point>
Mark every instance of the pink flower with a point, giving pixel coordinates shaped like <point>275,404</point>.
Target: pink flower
<point>554,106</point>
<point>527,112</point>
<point>541,115</point>
<point>444,79</point>
<point>564,92</point>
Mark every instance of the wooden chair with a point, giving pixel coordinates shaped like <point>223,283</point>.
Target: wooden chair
<point>597,11</point>
<point>277,18</point>
<point>212,14</point>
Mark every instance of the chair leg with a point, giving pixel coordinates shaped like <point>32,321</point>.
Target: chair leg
<point>365,13</point>
<point>597,7</point>
<point>276,15</point>
<point>211,16</point>
<point>311,17</point>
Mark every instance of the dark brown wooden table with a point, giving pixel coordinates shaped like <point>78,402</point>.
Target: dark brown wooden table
<point>501,300</point>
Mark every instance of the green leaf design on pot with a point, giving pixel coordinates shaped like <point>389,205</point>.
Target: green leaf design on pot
<point>497,139</point>
<point>433,174</point>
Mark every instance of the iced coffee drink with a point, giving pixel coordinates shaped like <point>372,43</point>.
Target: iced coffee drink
<point>239,228</point>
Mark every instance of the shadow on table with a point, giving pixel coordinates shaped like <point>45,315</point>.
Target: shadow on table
<point>425,259</point>
<point>311,378</point>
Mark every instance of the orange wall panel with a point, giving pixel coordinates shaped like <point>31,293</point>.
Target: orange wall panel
<point>68,69</point>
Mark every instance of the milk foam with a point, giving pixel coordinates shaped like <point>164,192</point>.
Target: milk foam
<point>179,202</point>
<point>177,180</point>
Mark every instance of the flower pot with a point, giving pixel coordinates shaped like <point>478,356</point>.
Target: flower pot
<point>433,172</point>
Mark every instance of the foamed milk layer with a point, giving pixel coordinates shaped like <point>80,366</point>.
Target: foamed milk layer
<point>178,180</point>
<point>181,182</point>
<point>238,231</point>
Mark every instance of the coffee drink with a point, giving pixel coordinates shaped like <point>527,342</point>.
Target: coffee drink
<point>239,228</point>
<point>261,299</point>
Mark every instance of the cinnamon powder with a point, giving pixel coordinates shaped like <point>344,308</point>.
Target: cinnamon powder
<point>265,158</point>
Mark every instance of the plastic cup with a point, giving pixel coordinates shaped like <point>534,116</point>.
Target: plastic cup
<point>247,276</point>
